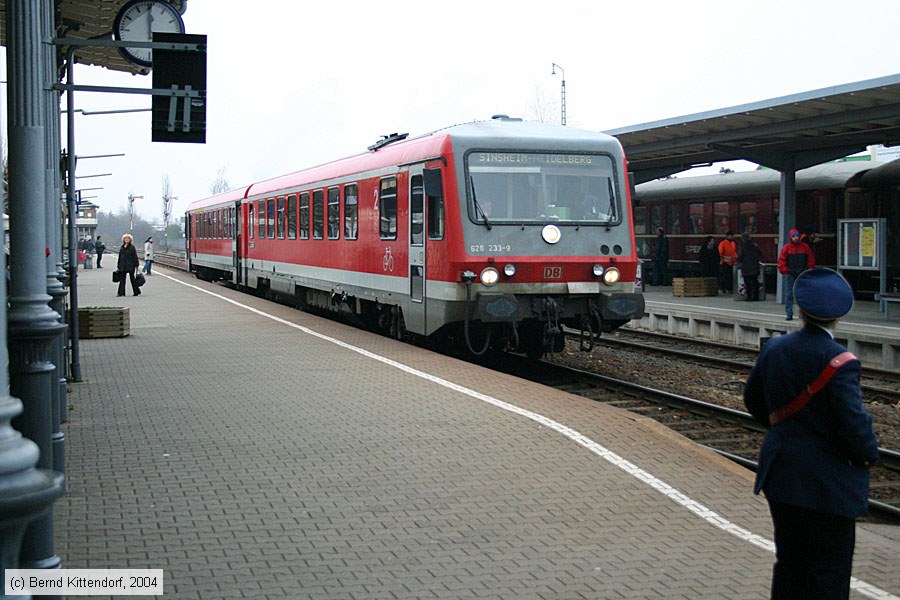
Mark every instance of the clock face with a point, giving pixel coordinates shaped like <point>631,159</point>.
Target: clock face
<point>137,21</point>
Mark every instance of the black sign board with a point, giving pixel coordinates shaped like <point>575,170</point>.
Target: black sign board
<point>180,117</point>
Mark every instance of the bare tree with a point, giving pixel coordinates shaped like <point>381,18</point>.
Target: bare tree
<point>542,109</point>
<point>220,184</point>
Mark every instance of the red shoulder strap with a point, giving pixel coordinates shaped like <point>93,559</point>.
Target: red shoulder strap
<point>797,404</point>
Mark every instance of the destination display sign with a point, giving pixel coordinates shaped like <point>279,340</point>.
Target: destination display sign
<point>515,158</point>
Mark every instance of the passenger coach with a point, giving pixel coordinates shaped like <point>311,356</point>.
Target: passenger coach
<point>490,234</point>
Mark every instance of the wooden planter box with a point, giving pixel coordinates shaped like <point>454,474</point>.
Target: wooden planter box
<point>695,286</point>
<point>103,322</point>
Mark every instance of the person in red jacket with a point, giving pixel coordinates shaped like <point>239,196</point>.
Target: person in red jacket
<point>794,258</point>
<point>727,258</point>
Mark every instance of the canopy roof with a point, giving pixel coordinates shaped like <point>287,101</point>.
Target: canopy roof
<point>787,133</point>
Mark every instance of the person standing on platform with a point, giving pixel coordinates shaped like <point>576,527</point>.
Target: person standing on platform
<point>794,258</point>
<point>88,253</point>
<point>128,265</point>
<point>148,255</point>
<point>661,258</point>
<point>814,462</point>
<point>709,258</point>
<point>100,247</point>
<point>748,257</point>
<point>727,258</point>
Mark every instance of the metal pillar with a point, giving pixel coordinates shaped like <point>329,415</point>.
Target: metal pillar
<point>32,325</point>
<point>53,224</point>
<point>72,211</point>
<point>787,209</point>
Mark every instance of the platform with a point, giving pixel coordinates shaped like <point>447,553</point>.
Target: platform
<point>255,451</point>
<point>866,331</point>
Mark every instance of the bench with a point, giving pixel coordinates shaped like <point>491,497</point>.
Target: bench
<point>887,298</point>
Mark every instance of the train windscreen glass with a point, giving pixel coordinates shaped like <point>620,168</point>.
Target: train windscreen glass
<point>523,187</point>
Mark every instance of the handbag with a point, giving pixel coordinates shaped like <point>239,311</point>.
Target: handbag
<point>117,276</point>
<point>139,279</point>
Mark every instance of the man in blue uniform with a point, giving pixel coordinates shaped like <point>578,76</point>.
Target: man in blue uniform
<point>814,462</point>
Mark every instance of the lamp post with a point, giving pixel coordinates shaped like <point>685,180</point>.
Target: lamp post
<point>563,104</point>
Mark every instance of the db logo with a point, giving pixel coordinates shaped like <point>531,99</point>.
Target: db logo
<point>553,272</point>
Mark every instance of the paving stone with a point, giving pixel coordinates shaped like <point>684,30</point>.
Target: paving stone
<point>250,459</point>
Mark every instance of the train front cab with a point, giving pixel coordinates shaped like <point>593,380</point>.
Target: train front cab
<point>547,242</point>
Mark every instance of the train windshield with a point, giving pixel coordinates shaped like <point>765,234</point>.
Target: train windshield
<point>524,187</point>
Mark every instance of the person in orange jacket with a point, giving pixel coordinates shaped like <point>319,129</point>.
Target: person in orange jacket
<point>727,258</point>
<point>794,258</point>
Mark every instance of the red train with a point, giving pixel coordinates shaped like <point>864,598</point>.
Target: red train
<point>691,208</point>
<point>490,235</point>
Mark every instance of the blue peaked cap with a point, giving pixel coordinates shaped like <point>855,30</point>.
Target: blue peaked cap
<point>823,294</point>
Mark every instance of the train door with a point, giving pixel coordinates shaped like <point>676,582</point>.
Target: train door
<point>236,240</point>
<point>415,319</point>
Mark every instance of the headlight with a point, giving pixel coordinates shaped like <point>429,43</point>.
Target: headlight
<point>551,234</point>
<point>611,276</point>
<point>597,270</point>
<point>509,270</point>
<point>490,276</point>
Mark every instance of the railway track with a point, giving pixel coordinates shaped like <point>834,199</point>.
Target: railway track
<point>731,433</point>
<point>877,384</point>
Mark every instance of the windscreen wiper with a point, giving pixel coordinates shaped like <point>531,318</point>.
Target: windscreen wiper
<point>487,222</point>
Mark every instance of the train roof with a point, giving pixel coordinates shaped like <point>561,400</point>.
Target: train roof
<point>887,175</point>
<point>826,176</point>
<point>499,132</point>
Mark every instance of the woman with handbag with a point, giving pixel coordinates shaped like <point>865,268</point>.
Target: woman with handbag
<point>128,263</point>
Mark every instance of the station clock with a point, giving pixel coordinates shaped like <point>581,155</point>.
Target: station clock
<point>137,21</point>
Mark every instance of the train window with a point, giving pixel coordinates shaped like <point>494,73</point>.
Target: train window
<point>721,220</point>
<point>334,213</point>
<point>281,221</point>
<point>435,218</point>
<point>747,217</point>
<point>270,218</point>
<point>656,218</point>
<point>416,211</point>
<point>674,219</point>
<point>261,216</point>
<point>520,187</point>
<point>388,208</point>
<point>351,212</point>
<point>250,219</point>
<point>304,216</point>
<point>695,217</point>
<point>318,215</point>
<point>640,220</point>
<point>292,217</point>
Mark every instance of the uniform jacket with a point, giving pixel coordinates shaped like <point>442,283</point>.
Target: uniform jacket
<point>794,258</point>
<point>749,255</point>
<point>819,457</point>
<point>727,252</point>
<point>128,259</point>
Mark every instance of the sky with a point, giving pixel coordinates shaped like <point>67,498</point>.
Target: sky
<point>296,84</point>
